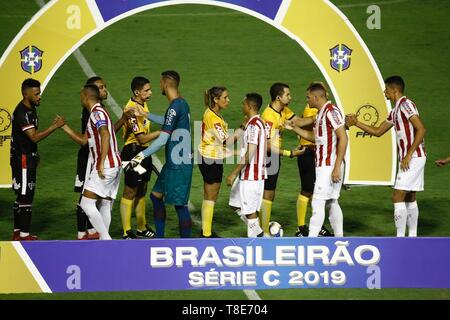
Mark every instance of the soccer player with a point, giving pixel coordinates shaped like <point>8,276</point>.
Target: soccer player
<point>331,142</point>
<point>85,229</point>
<point>174,182</point>
<point>212,151</point>
<point>411,151</point>
<point>275,115</point>
<point>247,190</point>
<point>306,164</point>
<point>103,178</point>
<point>442,162</point>
<point>24,157</point>
<point>137,135</point>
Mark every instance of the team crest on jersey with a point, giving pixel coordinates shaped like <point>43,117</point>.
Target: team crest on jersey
<point>340,57</point>
<point>31,59</point>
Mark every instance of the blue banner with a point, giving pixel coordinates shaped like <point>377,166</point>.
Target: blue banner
<point>241,263</point>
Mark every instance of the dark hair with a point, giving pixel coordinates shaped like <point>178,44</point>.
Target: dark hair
<point>210,94</point>
<point>396,81</point>
<point>277,89</point>
<point>171,74</point>
<point>138,82</point>
<point>93,79</point>
<point>92,91</point>
<point>255,99</point>
<point>318,87</point>
<point>30,83</point>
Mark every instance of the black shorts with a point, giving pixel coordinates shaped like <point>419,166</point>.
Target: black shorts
<point>132,178</point>
<point>271,182</point>
<point>24,173</point>
<point>307,169</point>
<point>211,170</point>
<point>82,160</point>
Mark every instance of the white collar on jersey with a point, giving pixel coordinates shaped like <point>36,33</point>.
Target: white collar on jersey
<point>256,115</point>
<point>96,105</point>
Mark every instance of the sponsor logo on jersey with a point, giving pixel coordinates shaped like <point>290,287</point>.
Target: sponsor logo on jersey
<point>31,59</point>
<point>220,131</point>
<point>340,57</point>
<point>170,114</point>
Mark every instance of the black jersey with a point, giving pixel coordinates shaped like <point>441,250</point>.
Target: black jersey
<point>85,114</point>
<point>23,120</point>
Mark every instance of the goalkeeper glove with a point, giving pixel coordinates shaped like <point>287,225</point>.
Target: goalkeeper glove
<point>135,161</point>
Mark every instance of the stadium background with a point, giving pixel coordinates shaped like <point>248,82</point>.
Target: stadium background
<point>215,46</point>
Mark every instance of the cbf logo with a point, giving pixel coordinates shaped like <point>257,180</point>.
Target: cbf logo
<point>340,57</point>
<point>31,58</point>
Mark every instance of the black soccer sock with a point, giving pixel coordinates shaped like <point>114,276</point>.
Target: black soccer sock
<point>16,215</point>
<point>24,213</point>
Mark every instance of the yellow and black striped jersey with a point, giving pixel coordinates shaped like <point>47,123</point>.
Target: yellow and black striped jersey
<point>214,135</point>
<point>308,112</point>
<point>136,125</point>
<point>275,123</point>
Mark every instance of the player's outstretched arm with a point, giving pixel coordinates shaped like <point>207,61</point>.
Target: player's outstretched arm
<point>144,138</point>
<point>126,114</point>
<point>155,146</point>
<point>301,122</point>
<point>79,138</point>
<point>374,131</point>
<point>442,162</point>
<point>37,136</point>
<point>155,118</point>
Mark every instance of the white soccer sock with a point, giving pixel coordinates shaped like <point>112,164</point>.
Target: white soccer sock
<point>336,218</point>
<point>400,213</point>
<point>253,228</point>
<point>317,218</point>
<point>104,206</point>
<point>243,218</point>
<point>90,208</point>
<point>412,218</point>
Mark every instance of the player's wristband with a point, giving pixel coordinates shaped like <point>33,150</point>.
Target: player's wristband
<point>287,153</point>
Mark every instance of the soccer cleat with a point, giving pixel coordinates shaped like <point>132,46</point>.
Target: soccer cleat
<point>16,236</point>
<point>29,238</point>
<point>94,236</point>
<point>213,235</point>
<point>325,233</point>
<point>85,237</point>
<point>147,233</point>
<point>130,235</point>
<point>302,231</point>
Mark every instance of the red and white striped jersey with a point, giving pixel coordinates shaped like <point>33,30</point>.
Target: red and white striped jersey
<point>99,117</point>
<point>327,121</point>
<point>399,117</point>
<point>255,133</point>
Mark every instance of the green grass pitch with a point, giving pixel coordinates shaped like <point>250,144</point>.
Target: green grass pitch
<point>216,46</point>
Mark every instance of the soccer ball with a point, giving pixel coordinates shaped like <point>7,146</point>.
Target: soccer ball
<point>275,229</point>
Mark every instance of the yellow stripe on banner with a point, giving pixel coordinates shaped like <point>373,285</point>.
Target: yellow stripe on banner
<point>14,274</point>
<point>35,52</point>
<point>356,84</point>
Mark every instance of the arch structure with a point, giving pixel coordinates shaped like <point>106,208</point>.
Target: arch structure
<point>61,26</point>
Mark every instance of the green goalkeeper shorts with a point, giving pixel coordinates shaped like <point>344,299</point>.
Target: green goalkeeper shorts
<point>174,184</point>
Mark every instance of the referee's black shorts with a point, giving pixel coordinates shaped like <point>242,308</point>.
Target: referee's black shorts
<point>82,160</point>
<point>132,178</point>
<point>23,167</point>
<point>307,169</point>
<point>270,183</point>
<point>211,169</point>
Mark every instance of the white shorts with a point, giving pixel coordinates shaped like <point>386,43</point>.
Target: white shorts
<point>247,195</point>
<point>411,179</point>
<point>104,188</point>
<point>324,187</point>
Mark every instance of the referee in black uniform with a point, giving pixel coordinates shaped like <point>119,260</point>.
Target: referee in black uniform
<point>24,157</point>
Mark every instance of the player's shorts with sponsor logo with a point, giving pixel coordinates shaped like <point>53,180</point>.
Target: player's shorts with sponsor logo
<point>132,178</point>
<point>247,195</point>
<point>324,187</point>
<point>104,188</point>
<point>82,163</point>
<point>23,167</point>
<point>211,169</point>
<point>411,179</point>
<point>174,184</point>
